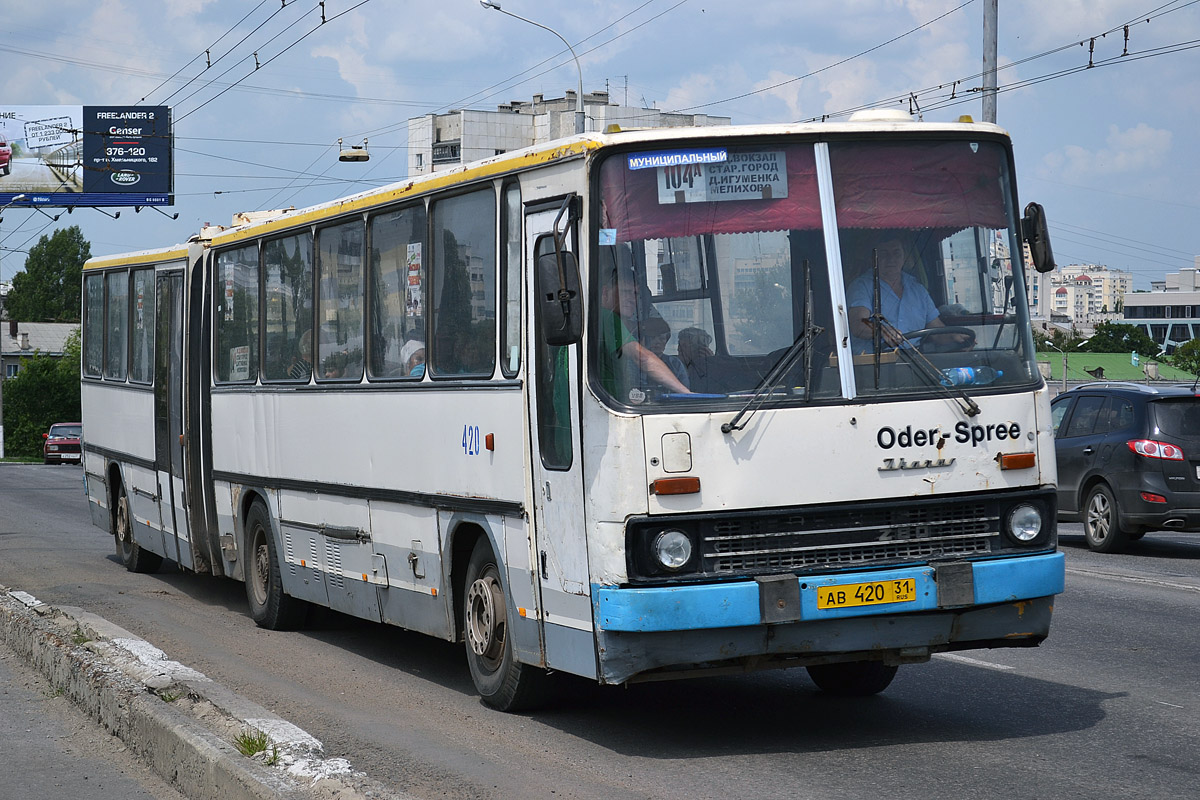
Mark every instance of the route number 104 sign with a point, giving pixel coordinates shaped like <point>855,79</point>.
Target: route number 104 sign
<point>760,175</point>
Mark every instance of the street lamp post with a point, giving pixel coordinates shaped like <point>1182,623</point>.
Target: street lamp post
<point>16,199</point>
<point>1064,355</point>
<point>579,95</point>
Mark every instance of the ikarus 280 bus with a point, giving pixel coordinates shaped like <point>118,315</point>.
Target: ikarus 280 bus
<point>630,406</point>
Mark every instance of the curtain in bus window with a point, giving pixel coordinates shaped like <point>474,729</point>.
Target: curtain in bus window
<point>288,310</point>
<point>340,321</point>
<point>949,185</point>
<point>93,325</point>
<point>642,200</point>
<point>141,367</point>
<point>236,294</point>
<point>117,342</point>
<point>464,285</point>
<point>397,296</point>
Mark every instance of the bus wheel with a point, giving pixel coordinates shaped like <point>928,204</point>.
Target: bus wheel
<point>853,678</point>
<point>270,607</point>
<point>503,683</point>
<point>133,556</point>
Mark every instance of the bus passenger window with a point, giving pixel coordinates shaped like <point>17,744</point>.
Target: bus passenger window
<point>397,289</point>
<point>116,350</point>
<point>236,311</point>
<point>510,342</point>
<point>340,326</point>
<point>288,286</point>
<point>141,368</point>
<point>93,325</point>
<point>464,285</point>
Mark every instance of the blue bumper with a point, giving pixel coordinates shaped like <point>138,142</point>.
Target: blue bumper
<point>737,604</point>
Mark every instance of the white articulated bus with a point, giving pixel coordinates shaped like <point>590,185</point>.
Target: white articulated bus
<point>629,406</point>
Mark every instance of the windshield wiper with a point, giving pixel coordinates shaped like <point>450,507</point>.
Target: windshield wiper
<point>926,368</point>
<point>783,364</point>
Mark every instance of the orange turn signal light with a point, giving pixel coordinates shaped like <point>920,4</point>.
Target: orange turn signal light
<point>1017,460</point>
<point>675,486</point>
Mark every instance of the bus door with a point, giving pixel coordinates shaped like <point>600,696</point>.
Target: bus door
<point>168,417</point>
<point>560,547</point>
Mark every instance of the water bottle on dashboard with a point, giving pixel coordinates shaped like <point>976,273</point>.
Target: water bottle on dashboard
<point>969,376</point>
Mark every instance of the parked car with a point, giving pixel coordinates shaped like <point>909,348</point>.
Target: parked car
<point>62,443</point>
<point>5,156</point>
<point>1128,460</point>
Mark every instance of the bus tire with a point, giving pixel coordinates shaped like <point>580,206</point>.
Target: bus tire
<point>503,683</point>
<point>852,678</point>
<point>1102,521</point>
<point>270,606</point>
<point>132,555</point>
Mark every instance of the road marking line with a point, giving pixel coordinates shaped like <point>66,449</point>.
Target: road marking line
<point>974,662</point>
<point>1134,579</point>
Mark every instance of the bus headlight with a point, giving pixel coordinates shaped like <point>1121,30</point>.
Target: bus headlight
<point>1025,522</point>
<point>673,549</point>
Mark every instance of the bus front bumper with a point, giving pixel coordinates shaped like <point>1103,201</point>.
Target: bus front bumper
<point>735,626</point>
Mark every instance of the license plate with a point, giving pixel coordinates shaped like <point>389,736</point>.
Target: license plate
<point>70,455</point>
<point>867,594</point>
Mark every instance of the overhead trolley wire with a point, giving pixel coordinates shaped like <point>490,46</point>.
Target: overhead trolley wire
<point>206,51</point>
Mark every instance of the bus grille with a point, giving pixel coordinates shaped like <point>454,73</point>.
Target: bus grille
<point>847,537</point>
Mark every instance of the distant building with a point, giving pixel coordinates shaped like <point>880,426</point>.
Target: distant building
<point>441,141</point>
<point>19,340</point>
<point>1079,296</point>
<point>1171,313</point>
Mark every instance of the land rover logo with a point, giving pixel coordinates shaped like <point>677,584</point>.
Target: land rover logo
<point>125,178</point>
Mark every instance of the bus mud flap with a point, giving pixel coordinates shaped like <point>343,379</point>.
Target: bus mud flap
<point>778,598</point>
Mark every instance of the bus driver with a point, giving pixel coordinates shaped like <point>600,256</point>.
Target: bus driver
<point>904,303</point>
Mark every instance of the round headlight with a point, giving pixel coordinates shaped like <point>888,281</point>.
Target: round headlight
<point>1025,523</point>
<point>673,549</point>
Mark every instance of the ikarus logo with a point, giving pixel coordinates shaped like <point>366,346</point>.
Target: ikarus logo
<point>125,178</point>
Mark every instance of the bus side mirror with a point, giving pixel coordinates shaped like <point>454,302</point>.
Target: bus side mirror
<point>560,305</point>
<point>1037,236</point>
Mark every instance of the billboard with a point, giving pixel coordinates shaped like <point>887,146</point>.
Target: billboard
<point>86,155</point>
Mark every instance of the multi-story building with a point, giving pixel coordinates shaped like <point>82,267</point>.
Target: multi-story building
<point>1079,295</point>
<point>1170,313</point>
<point>442,141</point>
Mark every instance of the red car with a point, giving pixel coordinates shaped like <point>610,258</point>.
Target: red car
<point>5,156</point>
<point>62,443</point>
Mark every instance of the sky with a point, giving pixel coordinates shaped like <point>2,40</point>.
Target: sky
<point>1111,151</point>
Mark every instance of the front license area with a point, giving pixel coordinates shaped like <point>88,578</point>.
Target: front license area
<point>867,594</point>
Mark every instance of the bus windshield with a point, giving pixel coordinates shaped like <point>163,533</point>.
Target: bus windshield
<point>716,281</point>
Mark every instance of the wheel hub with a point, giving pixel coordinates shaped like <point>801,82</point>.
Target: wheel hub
<point>485,609</point>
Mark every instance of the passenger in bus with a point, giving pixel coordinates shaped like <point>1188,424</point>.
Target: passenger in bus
<point>301,366</point>
<point>904,303</point>
<point>335,365</point>
<point>620,350</point>
<point>656,333</point>
<point>695,348</point>
<point>412,356</point>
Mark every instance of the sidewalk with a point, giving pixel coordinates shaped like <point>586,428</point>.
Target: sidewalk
<point>171,718</point>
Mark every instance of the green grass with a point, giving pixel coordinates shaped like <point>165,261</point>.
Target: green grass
<point>251,742</point>
<point>1116,366</point>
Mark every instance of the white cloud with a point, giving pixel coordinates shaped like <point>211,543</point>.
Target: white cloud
<point>1135,150</point>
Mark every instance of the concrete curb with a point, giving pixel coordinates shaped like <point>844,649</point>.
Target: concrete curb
<point>173,718</point>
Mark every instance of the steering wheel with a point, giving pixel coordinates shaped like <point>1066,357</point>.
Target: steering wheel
<point>925,333</point>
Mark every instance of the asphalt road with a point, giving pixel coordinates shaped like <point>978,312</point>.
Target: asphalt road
<point>1108,706</point>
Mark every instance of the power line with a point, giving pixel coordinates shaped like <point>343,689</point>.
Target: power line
<point>214,44</point>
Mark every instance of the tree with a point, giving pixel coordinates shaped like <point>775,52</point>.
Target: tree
<point>48,289</point>
<point>1187,356</point>
<point>1113,337</point>
<point>44,391</point>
